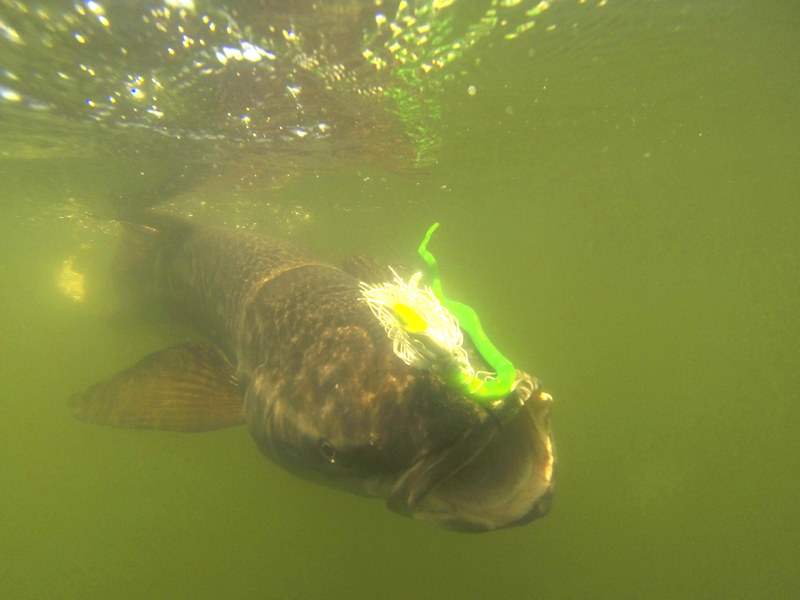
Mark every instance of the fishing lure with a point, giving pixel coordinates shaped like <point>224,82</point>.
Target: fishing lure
<point>425,329</point>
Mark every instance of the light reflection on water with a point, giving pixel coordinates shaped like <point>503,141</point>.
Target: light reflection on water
<point>366,74</point>
<point>209,107</point>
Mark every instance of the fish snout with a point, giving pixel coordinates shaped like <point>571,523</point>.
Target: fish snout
<point>500,473</point>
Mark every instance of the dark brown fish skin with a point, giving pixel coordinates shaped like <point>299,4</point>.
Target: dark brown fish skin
<point>329,376</point>
<point>325,395</point>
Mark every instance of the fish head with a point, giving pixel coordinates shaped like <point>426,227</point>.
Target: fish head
<point>353,416</point>
<point>340,414</point>
<point>500,473</point>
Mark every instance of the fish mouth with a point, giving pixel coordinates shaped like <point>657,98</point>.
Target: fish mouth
<point>496,475</point>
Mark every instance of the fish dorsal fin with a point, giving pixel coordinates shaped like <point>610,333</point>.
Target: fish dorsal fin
<point>191,387</point>
<point>373,270</point>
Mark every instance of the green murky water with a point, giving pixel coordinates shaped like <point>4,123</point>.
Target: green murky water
<point>620,197</point>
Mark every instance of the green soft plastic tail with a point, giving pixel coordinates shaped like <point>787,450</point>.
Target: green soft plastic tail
<point>472,387</point>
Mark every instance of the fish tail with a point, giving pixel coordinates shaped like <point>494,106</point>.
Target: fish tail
<point>147,242</point>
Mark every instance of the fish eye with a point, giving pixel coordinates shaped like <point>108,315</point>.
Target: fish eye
<point>327,451</point>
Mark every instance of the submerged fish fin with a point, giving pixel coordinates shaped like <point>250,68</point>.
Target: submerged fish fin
<point>191,387</point>
<point>374,271</point>
<point>147,239</point>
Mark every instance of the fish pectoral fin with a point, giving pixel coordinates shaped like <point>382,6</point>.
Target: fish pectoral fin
<point>191,387</point>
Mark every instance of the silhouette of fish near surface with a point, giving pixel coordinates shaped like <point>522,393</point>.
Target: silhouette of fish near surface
<point>296,353</point>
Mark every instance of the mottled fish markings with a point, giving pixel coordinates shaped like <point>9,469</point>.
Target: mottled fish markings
<point>298,356</point>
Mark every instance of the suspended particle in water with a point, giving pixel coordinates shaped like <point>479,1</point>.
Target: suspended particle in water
<point>184,4</point>
<point>9,94</point>
<point>70,282</point>
<point>472,90</point>
<point>10,34</point>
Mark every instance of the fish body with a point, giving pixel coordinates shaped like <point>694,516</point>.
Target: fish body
<point>296,353</point>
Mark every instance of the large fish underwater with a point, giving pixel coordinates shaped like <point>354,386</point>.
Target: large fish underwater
<point>353,377</point>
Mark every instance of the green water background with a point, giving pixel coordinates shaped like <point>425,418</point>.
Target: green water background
<point>622,208</point>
